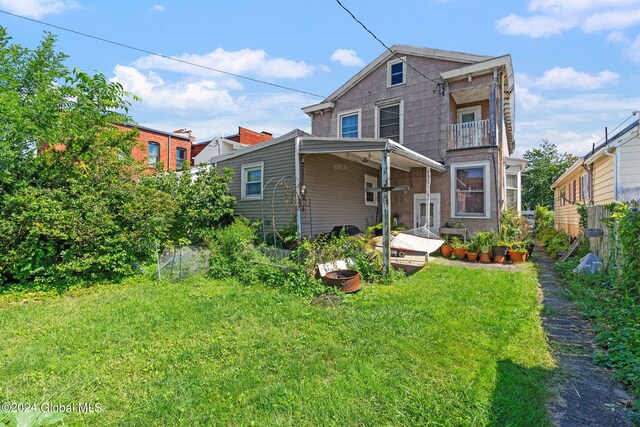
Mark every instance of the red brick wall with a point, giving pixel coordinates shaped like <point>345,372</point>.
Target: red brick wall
<point>249,137</point>
<point>167,153</point>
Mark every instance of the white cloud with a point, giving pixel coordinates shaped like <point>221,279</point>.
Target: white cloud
<point>568,78</point>
<point>244,61</point>
<point>347,58</point>
<point>158,8</point>
<point>631,48</point>
<point>553,17</point>
<point>37,8</point>
<point>158,93</point>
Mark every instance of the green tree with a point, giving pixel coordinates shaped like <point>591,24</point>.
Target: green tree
<point>202,199</point>
<point>544,165</point>
<point>70,209</point>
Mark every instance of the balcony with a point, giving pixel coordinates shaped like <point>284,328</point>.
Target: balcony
<point>469,135</point>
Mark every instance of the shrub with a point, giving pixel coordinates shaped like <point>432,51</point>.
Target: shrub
<point>513,226</point>
<point>543,221</point>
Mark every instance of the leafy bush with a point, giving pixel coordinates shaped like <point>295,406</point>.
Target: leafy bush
<point>202,198</point>
<point>616,319</point>
<point>513,226</point>
<point>543,221</point>
<point>624,230</point>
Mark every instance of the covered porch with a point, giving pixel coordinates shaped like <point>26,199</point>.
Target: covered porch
<point>348,181</point>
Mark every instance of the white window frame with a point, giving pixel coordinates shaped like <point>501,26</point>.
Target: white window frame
<point>357,111</point>
<point>404,71</point>
<point>476,110</point>
<point>370,179</point>
<point>516,188</point>
<point>390,103</point>
<point>486,187</point>
<point>585,189</point>
<point>243,181</point>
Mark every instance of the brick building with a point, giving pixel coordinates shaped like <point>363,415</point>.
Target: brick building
<point>203,152</point>
<point>172,149</point>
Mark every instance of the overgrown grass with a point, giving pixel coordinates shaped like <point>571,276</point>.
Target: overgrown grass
<point>616,320</point>
<point>447,346</point>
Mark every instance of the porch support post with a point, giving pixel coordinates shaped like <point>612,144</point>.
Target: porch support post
<point>492,108</point>
<point>386,213</point>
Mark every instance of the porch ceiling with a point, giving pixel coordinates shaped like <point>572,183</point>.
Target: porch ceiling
<point>368,151</point>
<point>465,96</point>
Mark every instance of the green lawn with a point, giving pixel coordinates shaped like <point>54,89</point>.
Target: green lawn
<point>447,346</point>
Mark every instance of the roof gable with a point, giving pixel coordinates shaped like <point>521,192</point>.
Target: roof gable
<point>464,58</point>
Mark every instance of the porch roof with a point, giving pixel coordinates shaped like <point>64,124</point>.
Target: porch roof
<point>368,150</point>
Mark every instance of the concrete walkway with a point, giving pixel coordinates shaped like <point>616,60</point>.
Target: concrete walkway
<point>586,394</point>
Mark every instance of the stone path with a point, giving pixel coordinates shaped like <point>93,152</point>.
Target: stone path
<point>586,394</point>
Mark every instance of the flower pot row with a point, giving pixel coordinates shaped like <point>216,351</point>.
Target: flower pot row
<point>499,254</point>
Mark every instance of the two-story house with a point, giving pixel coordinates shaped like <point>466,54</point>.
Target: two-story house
<point>410,117</point>
<point>454,108</point>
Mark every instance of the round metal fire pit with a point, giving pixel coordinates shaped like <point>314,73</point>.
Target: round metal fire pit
<point>347,280</point>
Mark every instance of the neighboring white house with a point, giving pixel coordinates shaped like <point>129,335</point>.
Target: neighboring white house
<point>216,147</point>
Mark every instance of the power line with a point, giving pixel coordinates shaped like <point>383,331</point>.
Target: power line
<point>387,47</point>
<point>164,56</point>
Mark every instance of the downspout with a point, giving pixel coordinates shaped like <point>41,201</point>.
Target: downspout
<point>169,154</point>
<point>298,185</point>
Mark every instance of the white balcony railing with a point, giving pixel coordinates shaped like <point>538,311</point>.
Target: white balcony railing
<point>471,134</point>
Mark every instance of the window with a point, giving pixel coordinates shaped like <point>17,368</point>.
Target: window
<point>469,187</point>
<point>252,181</point>
<point>370,198</point>
<point>390,121</point>
<point>585,185</point>
<point>181,156</point>
<point>153,153</point>
<point>469,114</point>
<point>395,72</point>
<point>512,191</point>
<point>349,124</point>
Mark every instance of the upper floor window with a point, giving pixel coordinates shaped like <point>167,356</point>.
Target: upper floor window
<point>470,190</point>
<point>349,124</point>
<point>181,157</point>
<point>153,153</point>
<point>395,73</point>
<point>469,114</point>
<point>390,122</point>
<point>251,185</point>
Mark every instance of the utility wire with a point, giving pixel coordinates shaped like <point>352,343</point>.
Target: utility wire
<point>385,46</point>
<point>164,56</point>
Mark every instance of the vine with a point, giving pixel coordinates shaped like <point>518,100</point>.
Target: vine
<point>624,227</point>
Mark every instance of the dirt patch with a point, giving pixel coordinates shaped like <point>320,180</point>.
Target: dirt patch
<point>585,395</point>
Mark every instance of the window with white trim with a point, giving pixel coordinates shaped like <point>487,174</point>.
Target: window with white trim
<point>470,190</point>
<point>585,185</point>
<point>370,198</point>
<point>390,121</point>
<point>395,73</point>
<point>512,191</point>
<point>251,181</point>
<point>349,124</point>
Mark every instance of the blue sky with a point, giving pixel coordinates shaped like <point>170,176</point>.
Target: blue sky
<point>576,62</point>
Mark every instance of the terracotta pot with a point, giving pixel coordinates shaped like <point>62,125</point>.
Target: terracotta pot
<point>472,256</point>
<point>445,250</point>
<point>516,256</point>
<point>499,259</point>
<point>347,280</point>
<point>459,252</point>
<point>484,257</point>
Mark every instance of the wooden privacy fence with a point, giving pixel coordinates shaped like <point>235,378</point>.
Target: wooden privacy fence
<point>599,245</point>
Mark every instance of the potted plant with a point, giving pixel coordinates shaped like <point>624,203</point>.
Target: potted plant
<point>485,241</point>
<point>472,251</point>
<point>500,251</point>
<point>459,247</point>
<point>518,251</point>
<point>446,249</point>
